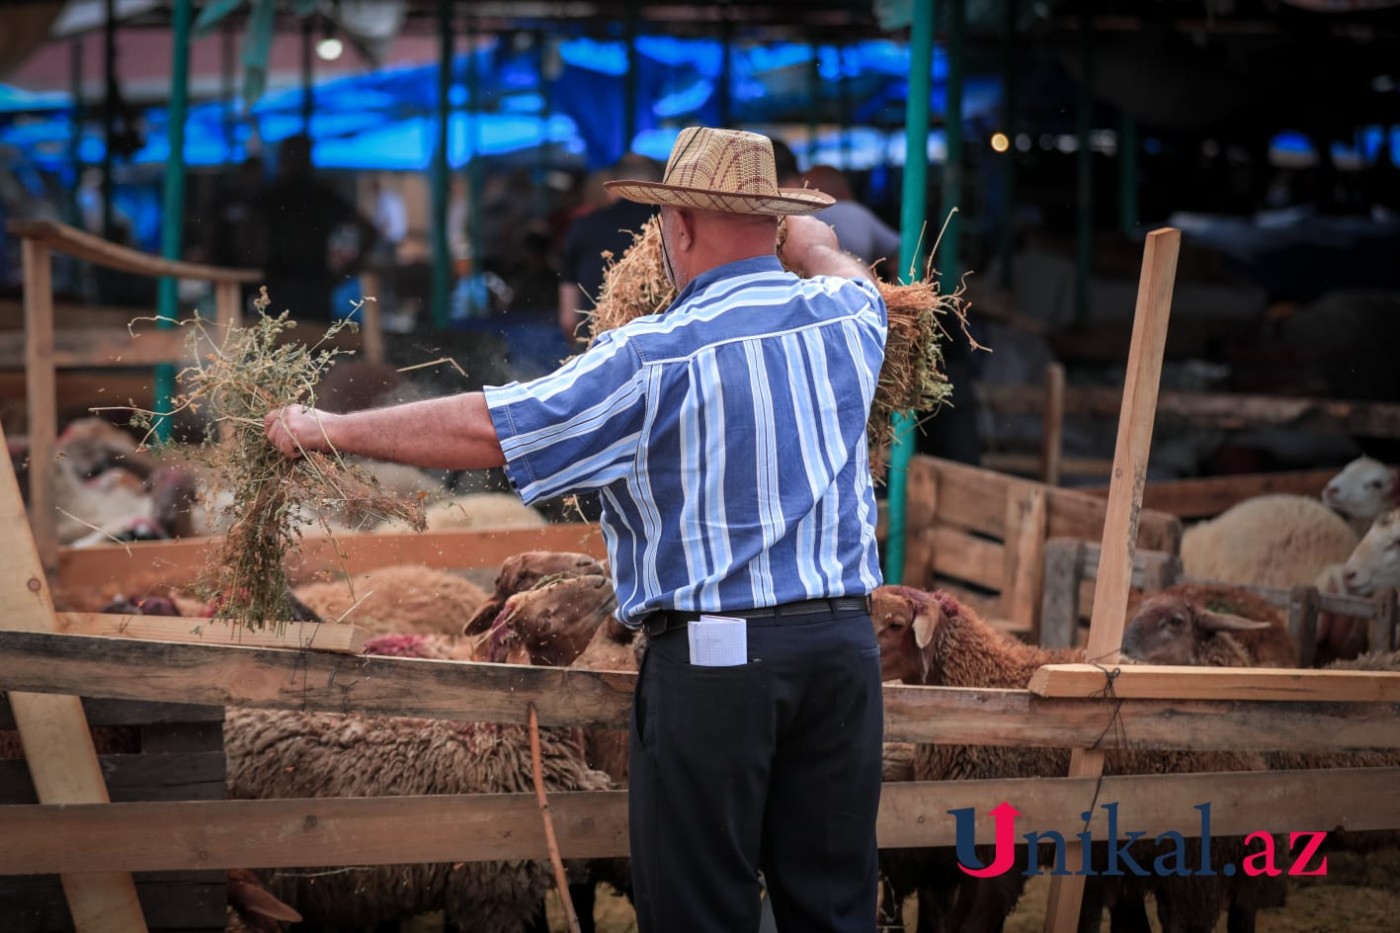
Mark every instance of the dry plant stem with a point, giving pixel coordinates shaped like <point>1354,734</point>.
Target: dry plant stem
<point>561,881</point>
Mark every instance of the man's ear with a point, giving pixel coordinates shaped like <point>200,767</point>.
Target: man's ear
<point>685,229</point>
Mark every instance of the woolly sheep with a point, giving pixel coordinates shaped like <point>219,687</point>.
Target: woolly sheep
<point>522,572</point>
<point>405,599</point>
<point>1275,540</point>
<point>108,501</point>
<point>1363,490</point>
<point>1375,563</point>
<point>483,510</point>
<point>275,754</point>
<point>930,639</point>
<point>1208,625</point>
<point>553,621</point>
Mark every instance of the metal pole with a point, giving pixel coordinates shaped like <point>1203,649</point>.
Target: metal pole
<point>1128,173</point>
<point>442,261</point>
<point>1084,251</point>
<point>75,142</point>
<point>949,262</point>
<point>172,220</point>
<point>814,88</point>
<point>911,224</point>
<point>109,113</point>
<point>844,86</point>
<point>726,66</point>
<point>630,93</point>
<point>476,170</point>
<point>308,77</point>
<point>1009,75</point>
<point>228,92</point>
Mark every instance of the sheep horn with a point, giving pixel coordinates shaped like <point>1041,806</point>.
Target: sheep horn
<point>1225,622</point>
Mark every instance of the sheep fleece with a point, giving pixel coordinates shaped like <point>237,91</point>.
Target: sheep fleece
<point>281,754</point>
<point>1275,540</point>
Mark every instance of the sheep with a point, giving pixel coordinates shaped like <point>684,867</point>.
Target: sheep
<point>1362,491</point>
<point>1275,540</point>
<point>553,621</point>
<point>93,446</point>
<point>252,908</point>
<point>106,502</point>
<point>275,754</point>
<point>1209,625</point>
<point>483,510</point>
<point>929,638</point>
<point>522,572</point>
<point>1375,563</point>
<point>404,599</point>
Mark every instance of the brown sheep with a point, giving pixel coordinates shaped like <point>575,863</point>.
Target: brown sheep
<point>522,572</point>
<point>553,621</point>
<point>406,599</point>
<point>1209,625</point>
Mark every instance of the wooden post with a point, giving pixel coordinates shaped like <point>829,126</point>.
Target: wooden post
<point>1302,622</point>
<point>371,328</point>
<point>1059,607</point>
<point>1024,557</point>
<point>1052,432</point>
<point>53,730</point>
<point>39,392</point>
<point>1382,633</point>
<point>228,307</point>
<point>1121,521</point>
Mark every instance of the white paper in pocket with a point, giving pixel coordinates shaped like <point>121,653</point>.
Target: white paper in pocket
<point>718,641</point>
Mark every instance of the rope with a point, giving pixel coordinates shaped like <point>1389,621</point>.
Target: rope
<point>1115,725</point>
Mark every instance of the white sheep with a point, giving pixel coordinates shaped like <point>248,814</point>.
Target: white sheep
<point>483,510</point>
<point>1275,540</point>
<point>1362,491</point>
<point>108,501</point>
<point>406,599</point>
<point>1375,563</point>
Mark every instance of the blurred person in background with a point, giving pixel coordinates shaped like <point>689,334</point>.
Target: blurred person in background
<point>858,229</point>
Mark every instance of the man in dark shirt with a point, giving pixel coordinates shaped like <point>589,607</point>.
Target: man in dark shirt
<point>299,215</point>
<point>609,228</point>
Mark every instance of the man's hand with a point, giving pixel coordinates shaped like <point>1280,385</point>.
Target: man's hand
<point>811,249</point>
<point>296,429</point>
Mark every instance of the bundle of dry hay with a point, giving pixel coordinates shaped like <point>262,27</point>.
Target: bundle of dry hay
<point>911,380</point>
<point>240,378</point>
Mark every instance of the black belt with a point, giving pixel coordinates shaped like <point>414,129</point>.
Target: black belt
<point>667,619</point>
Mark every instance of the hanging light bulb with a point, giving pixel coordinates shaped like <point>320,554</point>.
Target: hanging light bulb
<point>330,47</point>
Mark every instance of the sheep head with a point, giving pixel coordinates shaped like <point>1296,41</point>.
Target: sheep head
<point>553,622</point>
<point>525,571</point>
<point>1375,564</point>
<point>905,621</point>
<point>1364,489</point>
<point>1170,629</point>
<point>255,905</point>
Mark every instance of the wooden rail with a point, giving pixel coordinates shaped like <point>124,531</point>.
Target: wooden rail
<point>82,245</point>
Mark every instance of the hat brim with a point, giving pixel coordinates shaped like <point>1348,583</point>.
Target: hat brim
<point>786,201</point>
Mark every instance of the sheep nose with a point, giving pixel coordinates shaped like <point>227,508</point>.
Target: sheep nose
<point>1349,576</point>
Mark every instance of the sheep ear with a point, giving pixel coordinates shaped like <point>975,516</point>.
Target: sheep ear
<point>925,622</point>
<point>1224,622</point>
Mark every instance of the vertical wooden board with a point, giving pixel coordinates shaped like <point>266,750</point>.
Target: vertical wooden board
<point>1059,613</point>
<point>1052,439</point>
<point>228,307</point>
<point>1302,623</point>
<point>371,324</point>
<point>1381,636</point>
<point>53,730</point>
<point>1024,557</point>
<point>920,509</point>
<point>39,385</point>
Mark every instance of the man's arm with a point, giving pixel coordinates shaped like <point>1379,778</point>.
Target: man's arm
<point>811,249</point>
<point>454,432</point>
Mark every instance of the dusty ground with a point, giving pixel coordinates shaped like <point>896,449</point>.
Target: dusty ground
<point>1360,895</point>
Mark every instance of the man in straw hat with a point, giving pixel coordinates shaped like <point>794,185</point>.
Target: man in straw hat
<point>727,439</point>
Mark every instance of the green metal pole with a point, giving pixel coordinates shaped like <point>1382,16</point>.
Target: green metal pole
<point>172,221</point>
<point>911,223</point>
<point>949,260</point>
<point>1007,234</point>
<point>1084,246</point>
<point>442,262</point>
<point>1128,173</point>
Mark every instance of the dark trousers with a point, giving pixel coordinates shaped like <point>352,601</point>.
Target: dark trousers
<point>773,765</point>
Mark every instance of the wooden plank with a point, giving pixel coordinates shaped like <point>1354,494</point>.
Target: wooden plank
<point>228,307</point>
<point>1165,682</point>
<point>102,711</point>
<point>371,327</point>
<point>298,636</point>
<point>40,409</point>
<point>79,391</point>
<point>1381,635</point>
<point>968,497</point>
<point>60,755</point>
<point>1208,497</point>
<point>1217,410</point>
<point>95,249</point>
<point>1024,555</point>
<point>1302,622</point>
<point>1059,613</point>
<point>1120,533</point>
<point>1052,440</point>
<point>114,347</point>
<point>920,514</point>
<point>1033,465</point>
<point>325,832</point>
<point>183,561</point>
<point>182,776</point>
<point>966,557</point>
<point>272,679</point>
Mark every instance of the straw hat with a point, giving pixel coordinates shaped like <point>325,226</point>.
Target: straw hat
<point>722,170</point>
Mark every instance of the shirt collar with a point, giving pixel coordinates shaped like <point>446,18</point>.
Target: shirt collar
<point>728,271</point>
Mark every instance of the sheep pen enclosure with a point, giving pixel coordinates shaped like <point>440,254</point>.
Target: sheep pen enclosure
<point>48,659</point>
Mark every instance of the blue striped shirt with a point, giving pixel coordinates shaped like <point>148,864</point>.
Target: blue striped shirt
<point>726,438</point>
